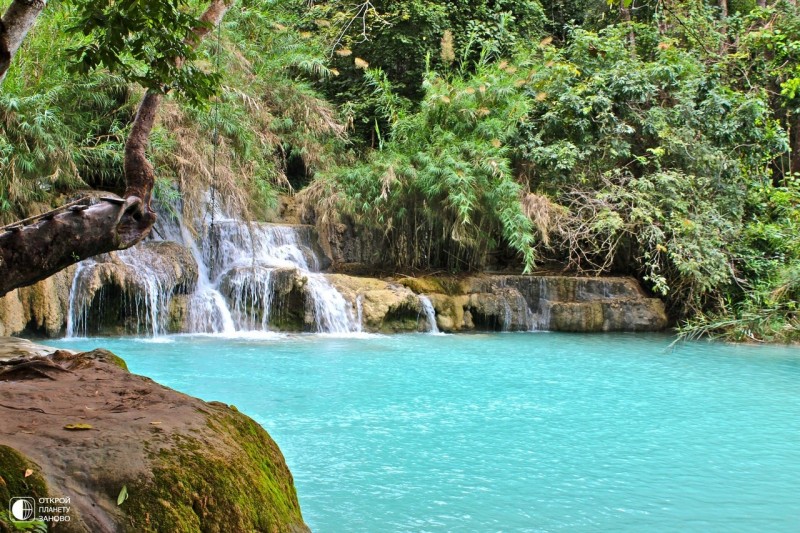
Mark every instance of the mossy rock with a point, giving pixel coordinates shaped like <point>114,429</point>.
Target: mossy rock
<point>431,285</point>
<point>14,483</point>
<point>186,465</point>
<point>85,359</point>
<point>194,487</point>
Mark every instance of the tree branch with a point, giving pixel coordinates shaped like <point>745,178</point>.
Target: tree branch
<point>31,253</point>
<point>14,26</point>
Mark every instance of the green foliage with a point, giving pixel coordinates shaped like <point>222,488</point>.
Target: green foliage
<point>652,152</point>
<point>34,155</point>
<point>63,129</point>
<point>149,42</point>
<point>403,38</point>
<point>767,259</point>
<point>443,187</point>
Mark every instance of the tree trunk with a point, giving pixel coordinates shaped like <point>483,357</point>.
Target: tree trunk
<point>723,9</point>
<point>139,173</point>
<point>625,15</point>
<point>794,142</point>
<point>31,253</point>
<point>14,26</point>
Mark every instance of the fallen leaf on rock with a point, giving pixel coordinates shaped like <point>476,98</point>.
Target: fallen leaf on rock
<point>78,427</point>
<point>123,495</point>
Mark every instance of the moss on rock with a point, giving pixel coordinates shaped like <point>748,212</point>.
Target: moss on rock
<point>197,487</point>
<point>429,285</point>
<point>13,482</point>
<point>186,465</point>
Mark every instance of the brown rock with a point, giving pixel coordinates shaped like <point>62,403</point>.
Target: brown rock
<point>186,465</point>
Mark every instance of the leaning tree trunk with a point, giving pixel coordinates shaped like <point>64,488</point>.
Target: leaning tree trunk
<point>14,26</point>
<point>31,253</point>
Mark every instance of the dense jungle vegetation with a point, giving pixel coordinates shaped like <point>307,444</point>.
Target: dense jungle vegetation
<point>654,138</point>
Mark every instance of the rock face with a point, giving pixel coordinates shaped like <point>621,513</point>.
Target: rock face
<point>348,245</point>
<point>40,309</point>
<point>129,291</point>
<point>185,464</point>
<point>555,303</point>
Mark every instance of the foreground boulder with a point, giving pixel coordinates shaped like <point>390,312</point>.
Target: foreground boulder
<point>119,452</point>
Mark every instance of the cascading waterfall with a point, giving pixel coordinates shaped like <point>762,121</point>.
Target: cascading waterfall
<point>252,294</point>
<point>514,300</point>
<point>332,313</point>
<point>208,310</point>
<point>238,287</point>
<point>245,261</point>
<point>130,289</point>
<point>77,313</point>
<point>430,313</point>
<point>151,301</point>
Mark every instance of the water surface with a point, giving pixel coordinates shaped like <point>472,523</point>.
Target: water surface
<point>510,432</point>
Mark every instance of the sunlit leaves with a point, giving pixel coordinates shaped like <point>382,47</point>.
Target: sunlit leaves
<point>149,42</point>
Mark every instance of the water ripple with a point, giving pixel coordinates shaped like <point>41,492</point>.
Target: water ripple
<point>512,432</point>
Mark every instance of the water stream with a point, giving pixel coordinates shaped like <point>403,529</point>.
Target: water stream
<point>237,283</point>
<point>430,314</point>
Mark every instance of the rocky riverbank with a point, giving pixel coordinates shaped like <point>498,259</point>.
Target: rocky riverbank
<point>273,277</point>
<point>102,450</point>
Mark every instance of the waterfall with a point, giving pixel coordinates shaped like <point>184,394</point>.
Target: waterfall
<point>76,315</point>
<point>430,313</point>
<point>151,301</point>
<point>515,302</point>
<point>245,261</point>
<point>208,310</point>
<point>541,320</point>
<point>359,313</point>
<point>129,291</point>
<point>247,276</point>
<point>332,313</point>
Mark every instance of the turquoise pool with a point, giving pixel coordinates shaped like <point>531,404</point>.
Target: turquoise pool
<point>510,432</point>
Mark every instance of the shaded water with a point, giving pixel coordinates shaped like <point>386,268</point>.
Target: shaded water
<point>510,432</point>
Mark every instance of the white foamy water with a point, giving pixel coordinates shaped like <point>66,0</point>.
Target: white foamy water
<point>239,289</point>
<point>430,313</point>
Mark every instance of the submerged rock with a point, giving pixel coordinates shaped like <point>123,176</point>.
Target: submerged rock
<point>132,455</point>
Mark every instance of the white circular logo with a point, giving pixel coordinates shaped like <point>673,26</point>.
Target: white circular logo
<point>22,509</point>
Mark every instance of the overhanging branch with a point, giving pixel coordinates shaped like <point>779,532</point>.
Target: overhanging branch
<point>32,253</point>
